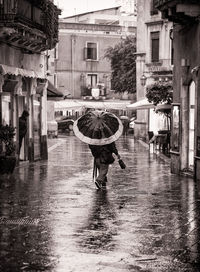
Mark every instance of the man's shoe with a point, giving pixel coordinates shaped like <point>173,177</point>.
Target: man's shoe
<point>98,184</point>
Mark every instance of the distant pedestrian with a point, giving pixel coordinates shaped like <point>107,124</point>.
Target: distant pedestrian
<point>22,127</point>
<point>125,127</point>
<point>102,158</point>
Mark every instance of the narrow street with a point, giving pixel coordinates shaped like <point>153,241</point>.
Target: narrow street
<point>52,218</point>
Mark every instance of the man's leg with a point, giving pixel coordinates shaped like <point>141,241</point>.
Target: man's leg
<point>103,170</point>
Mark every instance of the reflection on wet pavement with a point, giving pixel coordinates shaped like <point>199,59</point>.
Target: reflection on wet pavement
<point>53,219</point>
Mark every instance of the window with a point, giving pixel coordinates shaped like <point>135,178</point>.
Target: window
<point>153,10</point>
<point>91,51</point>
<point>6,109</point>
<point>92,80</point>
<point>155,46</point>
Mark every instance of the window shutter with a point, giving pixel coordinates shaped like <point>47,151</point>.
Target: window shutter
<point>85,53</point>
<point>95,53</point>
<point>155,46</point>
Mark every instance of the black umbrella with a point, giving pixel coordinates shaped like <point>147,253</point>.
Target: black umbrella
<point>98,128</point>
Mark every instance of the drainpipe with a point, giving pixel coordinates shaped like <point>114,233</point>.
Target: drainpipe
<point>73,43</point>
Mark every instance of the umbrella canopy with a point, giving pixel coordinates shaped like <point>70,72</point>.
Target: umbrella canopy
<point>98,128</point>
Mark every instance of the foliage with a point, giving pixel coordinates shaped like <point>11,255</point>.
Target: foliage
<point>123,65</point>
<point>50,18</point>
<point>7,134</point>
<point>160,93</point>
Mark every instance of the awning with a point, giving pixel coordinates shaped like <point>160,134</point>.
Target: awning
<point>163,107</point>
<point>141,104</point>
<point>108,104</point>
<point>52,91</point>
<point>77,104</point>
<point>67,105</point>
<point>5,69</point>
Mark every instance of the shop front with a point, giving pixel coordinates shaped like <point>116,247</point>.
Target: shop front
<point>21,90</point>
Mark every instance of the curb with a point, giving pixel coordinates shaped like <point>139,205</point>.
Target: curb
<point>158,154</point>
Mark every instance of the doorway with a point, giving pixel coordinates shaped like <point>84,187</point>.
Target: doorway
<point>36,127</point>
<point>191,126</point>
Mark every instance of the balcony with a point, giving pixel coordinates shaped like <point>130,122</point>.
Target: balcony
<point>31,25</point>
<point>179,11</point>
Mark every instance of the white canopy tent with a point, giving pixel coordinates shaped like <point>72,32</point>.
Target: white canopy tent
<point>106,105</point>
<point>81,105</point>
<point>68,105</point>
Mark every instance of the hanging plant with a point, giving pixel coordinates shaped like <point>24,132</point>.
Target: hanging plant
<point>7,150</point>
<point>160,93</point>
<point>51,13</point>
<point>7,134</point>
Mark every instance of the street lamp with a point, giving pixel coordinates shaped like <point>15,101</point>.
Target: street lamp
<point>143,80</point>
<point>82,76</point>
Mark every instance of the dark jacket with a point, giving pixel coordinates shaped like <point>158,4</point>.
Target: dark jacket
<point>104,152</point>
<point>22,126</point>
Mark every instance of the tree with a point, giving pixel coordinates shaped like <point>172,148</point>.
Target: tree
<point>123,65</point>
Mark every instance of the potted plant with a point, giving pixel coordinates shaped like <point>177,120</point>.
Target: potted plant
<point>7,149</point>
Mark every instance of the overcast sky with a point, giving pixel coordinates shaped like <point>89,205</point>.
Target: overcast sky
<point>71,7</point>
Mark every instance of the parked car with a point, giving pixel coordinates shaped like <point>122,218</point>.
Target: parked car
<point>65,125</point>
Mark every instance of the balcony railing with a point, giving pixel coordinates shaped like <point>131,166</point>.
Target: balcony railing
<point>160,3</point>
<point>179,11</point>
<point>32,16</point>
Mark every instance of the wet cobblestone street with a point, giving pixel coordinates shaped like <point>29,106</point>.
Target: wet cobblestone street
<point>53,219</point>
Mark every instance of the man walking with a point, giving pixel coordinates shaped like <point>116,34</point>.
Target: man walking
<point>102,158</point>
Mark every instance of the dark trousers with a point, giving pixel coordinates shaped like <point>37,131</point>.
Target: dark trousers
<point>102,169</point>
<point>20,142</point>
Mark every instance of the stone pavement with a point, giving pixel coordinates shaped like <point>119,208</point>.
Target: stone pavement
<point>53,219</point>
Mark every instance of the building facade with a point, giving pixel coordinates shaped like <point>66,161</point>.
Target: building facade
<point>185,150</point>
<point>82,71</point>
<point>127,6</point>
<point>27,29</point>
<point>153,63</point>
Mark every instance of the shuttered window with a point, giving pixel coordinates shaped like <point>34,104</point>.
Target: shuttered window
<point>155,46</point>
<point>90,52</point>
<point>92,80</point>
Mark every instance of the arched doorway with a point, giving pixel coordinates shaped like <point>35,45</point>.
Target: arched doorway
<point>191,126</point>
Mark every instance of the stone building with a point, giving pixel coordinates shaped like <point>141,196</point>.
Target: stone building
<point>127,6</point>
<point>185,149</point>
<point>27,29</point>
<point>83,39</point>
<point>153,64</point>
